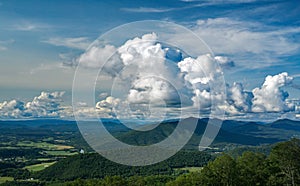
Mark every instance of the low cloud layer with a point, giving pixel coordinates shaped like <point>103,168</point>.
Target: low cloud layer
<point>46,105</point>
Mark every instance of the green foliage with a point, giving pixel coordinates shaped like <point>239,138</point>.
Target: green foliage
<point>222,171</point>
<point>23,183</point>
<point>191,179</point>
<point>252,169</point>
<point>158,180</point>
<point>95,166</point>
<point>86,166</point>
<point>285,163</point>
<point>282,167</point>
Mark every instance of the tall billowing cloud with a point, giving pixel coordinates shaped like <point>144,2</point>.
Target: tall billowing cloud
<point>200,75</point>
<point>270,97</point>
<point>150,81</point>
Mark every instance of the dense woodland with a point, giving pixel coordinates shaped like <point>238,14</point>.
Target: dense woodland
<point>281,167</point>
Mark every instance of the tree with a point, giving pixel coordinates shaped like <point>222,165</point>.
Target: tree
<point>190,179</point>
<point>285,157</point>
<point>114,181</point>
<point>222,171</point>
<point>252,169</point>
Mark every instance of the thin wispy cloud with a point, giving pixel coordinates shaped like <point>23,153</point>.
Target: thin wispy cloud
<point>29,26</point>
<point>3,44</point>
<point>75,42</point>
<point>2,48</point>
<point>197,3</point>
<point>246,41</point>
<point>46,67</point>
<point>148,10</point>
<point>221,1</point>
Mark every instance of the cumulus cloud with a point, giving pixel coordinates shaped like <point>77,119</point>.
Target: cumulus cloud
<point>270,97</point>
<point>106,105</point>
<point>153,90</point>
<point>101,57</point>
<point>164,78</point>
<point>239,98</point>
<point>153,77</point>
<point>11,109</point>
<point>45,105</point>
<point>200,75</point>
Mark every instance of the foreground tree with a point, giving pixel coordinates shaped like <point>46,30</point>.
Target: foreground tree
<point>222,171</point>
<point>252,169</point>
<point>285,163</point>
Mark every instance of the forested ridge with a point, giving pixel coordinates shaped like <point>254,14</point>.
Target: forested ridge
<point>95,166</point>
<point>280,167</point>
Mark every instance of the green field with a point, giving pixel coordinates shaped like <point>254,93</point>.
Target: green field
<point>43,145</point>
<point>39,167</point>
<point>7,147</point>
<point>191,169</point>
<point>4,179</point>
<point>43,159</point>
<point>60,153</point>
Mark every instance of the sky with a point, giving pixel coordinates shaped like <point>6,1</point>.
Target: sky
<point>253,45</point>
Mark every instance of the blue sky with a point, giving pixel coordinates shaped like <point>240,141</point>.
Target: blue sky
<point>38,39</point>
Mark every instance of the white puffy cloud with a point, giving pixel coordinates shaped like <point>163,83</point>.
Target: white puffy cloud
<point>239,98</point>
<point>151,77</point>
<point>45,105</point>
<point>101,57</point>
<point>201,75</point>
<point>144,48</point>
<point>270,97</point>
<point>153,90</point>
<point>11,109</point>
<point>106,105</point>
